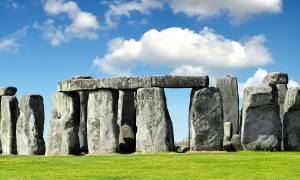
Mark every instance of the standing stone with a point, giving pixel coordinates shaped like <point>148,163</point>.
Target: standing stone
<point>154,125</point>
<point>9,116</point>
<point>63,125</point>
<point>82,133</point>
<point>206,120</point>
<point>230,98</point>
<point>102,122</point>
<point>8,91</point>
<point>30,126</point>
<point>291,122</point>
<point>126,121</point>
<point>261,126</point>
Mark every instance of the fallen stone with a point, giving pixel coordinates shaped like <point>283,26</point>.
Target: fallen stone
<point>291,122</point>
<point>230,98</point>
<point>63,125</point>
<point>276,78</point>
<point>102,122</point>
<point>30,126</point>
<point>126,121</point>
<point>236,142</point>
<point>133,83</point>
<point>82,132</point>
<point>8,91</point>
<point>9,116</point>
<point>227,146</point>
<point>261,124</point>
<point>154,126</point>
<point>183,149</point>
<point>206,120</point>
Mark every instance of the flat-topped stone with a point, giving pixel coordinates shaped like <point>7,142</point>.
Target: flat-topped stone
<point>127,83</point>
<point>8,91</point>
<point>276,78</point>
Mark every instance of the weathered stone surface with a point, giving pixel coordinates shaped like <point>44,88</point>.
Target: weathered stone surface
<point>132,83</point>
<point>126,121</point>
<point>63,125</point>
<point>291,122</point>
<point>227,136</point>
<point>230,98</point>
<point>183,149</point>
<point>170,81</point>
<point>261,126</point>
<point>8,91</point>
<point>82,132</point>
<point>9,116</point>
<point>282,89</point>
<point>81,77</point>
<point>154,126</point>
<point>102,122</point>
<point>206,120</point>
<point>276,78</point>
<point>30,126</point>
<point>236,142</point>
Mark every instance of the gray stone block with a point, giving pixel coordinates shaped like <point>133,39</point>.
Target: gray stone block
<point>30,126</point>
<point>206,120</point>
<point>126,121</point>
<point>229,91</point>
<point>133,83</point>
<point>236,142</point>
<point>261,126</point>
<point>276,78</point>
<point>82,132</point>
<point>102,122</point>
<point>291,122</point>
<point>9,116</point>
<point>8,91</point>
<point>154,125</point>
<point>63,125</point>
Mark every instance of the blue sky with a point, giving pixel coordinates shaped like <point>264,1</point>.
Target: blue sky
<point>46,41</point>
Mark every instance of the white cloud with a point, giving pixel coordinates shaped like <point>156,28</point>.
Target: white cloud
<point>184,51</point>
<point>293,84</point>
<point>117,9</point>
<point>11,42</point>
<point>237,10</point>
<point>83,24</point>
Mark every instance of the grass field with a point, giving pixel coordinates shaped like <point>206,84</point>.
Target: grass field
<point>214,165</point>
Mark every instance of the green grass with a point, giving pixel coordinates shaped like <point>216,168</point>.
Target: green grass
<point>215,165</point>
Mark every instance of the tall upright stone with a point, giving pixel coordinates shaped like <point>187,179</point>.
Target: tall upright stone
<point>9,116</point>
<point>261,125</point>
<point>154,125</point>
<point>230,99</point>
<point>102,122</point>
<point>63,125</point>
<point>206,120</point>
<point>30,126</point>
<point>291,122</point>
<point>82,132</point>
<point>126,121</point>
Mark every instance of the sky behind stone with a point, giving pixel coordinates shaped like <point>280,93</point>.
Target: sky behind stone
<point>46,41</point>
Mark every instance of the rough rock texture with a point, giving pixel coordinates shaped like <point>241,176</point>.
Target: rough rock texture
<point>261,126</point>
<point>229,91</point>
<point>30,126</point>
<point>63,125</point>
<point>82,132</point>
<point>126,121</point>
<point>291,122</point>
<point>154,126</point>
<point>236,142</point>
<point>8,91</point>
<point>206,120</point>
<point>276,78</point>
<point>282,89</point>
<point>132,83</point>
<point>102,122</point>
<point>9,116</point>
<point>170,81</point>
<point>227,145</point>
